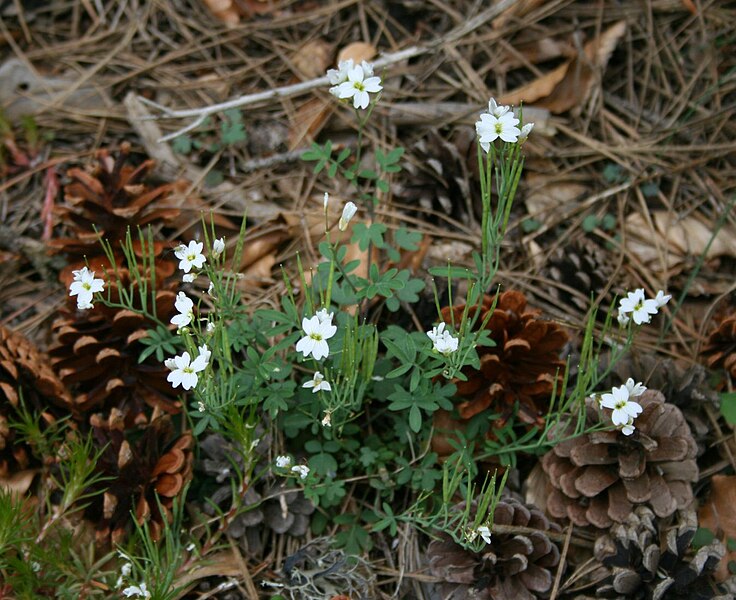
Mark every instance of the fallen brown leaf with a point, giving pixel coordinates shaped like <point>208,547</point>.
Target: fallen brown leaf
<point>719,515</point>
<point>667,242</point>
<point>568,85</point>
<point>357,51</point>
<point>18,483</point>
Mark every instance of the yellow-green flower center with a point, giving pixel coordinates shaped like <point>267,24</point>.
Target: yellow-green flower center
<point>317,337</point>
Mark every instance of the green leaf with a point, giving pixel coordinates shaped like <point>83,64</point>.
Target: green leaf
<point>415,419</point>
<point>452,272</point>
<point>530,224</point>
<point>590,223</point>
<point>182,144</point>
<point>365,234</point>
<point>407,240</point>
<point>728,407</point>
<point>703,537</point>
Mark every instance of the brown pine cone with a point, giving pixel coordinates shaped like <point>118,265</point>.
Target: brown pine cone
<point>598,478</point>
<point>581,268</point>
<point>687,388</point>
<point>24,371</point>
<point>137,464</point>
<point>517,376</point>
<point>720,349</point>
<point>272,508</point>
<point>96,354</point>
<point>518,564</point>
<point>646,558</point>
<point>436,177</point>
<point>111,197</point>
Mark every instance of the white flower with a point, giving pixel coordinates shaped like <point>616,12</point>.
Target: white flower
<point>318,383</point>
<point>496,110</point>
<point>84,286</point>
<point>170,364</point>
<point>634,389</point>
<point>324,316</point>
<point>301,470</point>
<point>190,547</point>
<point>367,68</point>
<point>210,327</point>
<point>485,533</point>
<point>186,373</point>
<point>201,407</point>
<point>190,256</point>
<point>135,590</point>
<point>218,247</point>
<point>348,212</point>
<point>490,127</point>
<point>185,306</point>
<point>623,320</point>
<point>327,420</point>
<point>358,87</point>
<point>339,75</point>
<point>84,304</point>
<point>661,299</point>
<point>315,340</point>
<point>36,566</point>
<point>628,428</point>
<point>125,569</point>
<point>188,277</point>
<point>443,342</point>
<point>283,462</point>
<point>525,131</point>
<point>624,410</point>
<point>326,201</point>
<point>641,310</point>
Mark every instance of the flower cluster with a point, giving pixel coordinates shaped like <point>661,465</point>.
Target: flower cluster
<point>317,331</point>
<point>443,341</point>
<point>635,306</point>
<point>84,287</point>
<point>190,255</point>
<point>500,122</point>
<point>354,81</point>
<point>625,410</point>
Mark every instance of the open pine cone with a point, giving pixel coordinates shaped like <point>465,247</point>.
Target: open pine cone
<point>437,178</point>
<point>274,508</point>
<point>517,376</point>
<point>597,479</point>
<point>580,268</point>
<point>96,355</point>
<point>112,197</point>
<point>24,370</point>
<point>646,558</point>
<point>139,465</point>
<point>720,349</point>
<point>518,564</point>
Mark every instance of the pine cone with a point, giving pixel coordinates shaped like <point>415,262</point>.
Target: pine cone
<point>437,178</point>
<point>581,268</point>
<point>111,197</point>
<point>720,349</point>
<point>24,370</point>
<point>597,479</point>
<point>646,559</point>
<point>137,464</point>
<point>516,376</point>
<point>516,565</point>
<point>275,508</point>
<point>688,389</point>
<point>96,354</point>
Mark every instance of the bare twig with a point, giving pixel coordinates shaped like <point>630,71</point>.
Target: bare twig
<point>201,113</point>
